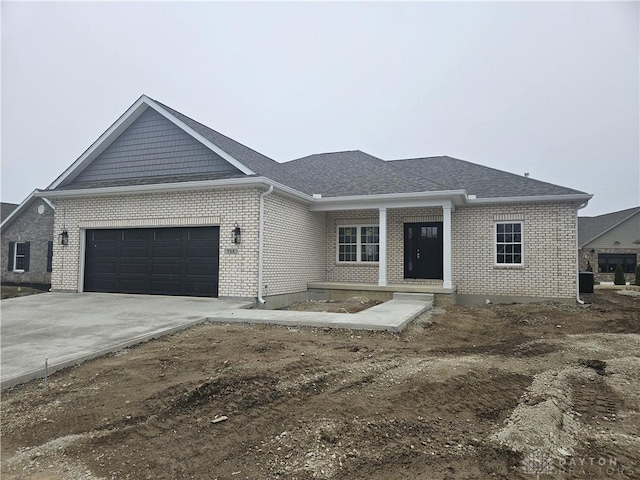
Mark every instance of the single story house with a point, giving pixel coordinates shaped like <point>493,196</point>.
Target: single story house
<point>608,240</point>
<point>27,242</point>
<point>162,204</point>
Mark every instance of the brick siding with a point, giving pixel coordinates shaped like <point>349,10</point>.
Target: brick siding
<point>294,250</point>
<point>586,256</point>
<point>37,229</point>
<point>238,272</point>
<point>549,249</point>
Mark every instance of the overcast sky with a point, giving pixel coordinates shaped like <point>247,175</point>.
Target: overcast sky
<point>546,88</point>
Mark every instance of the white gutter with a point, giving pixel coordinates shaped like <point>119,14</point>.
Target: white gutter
<point>261,244</point>
<point>578,299</point>
<point>582,197</point>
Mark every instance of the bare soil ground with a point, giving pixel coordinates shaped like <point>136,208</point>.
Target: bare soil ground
<point>351,305</point>
<point>512,391</point>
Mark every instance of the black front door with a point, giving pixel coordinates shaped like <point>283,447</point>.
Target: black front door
<point>423,250</point>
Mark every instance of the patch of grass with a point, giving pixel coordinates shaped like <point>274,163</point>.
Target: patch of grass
<point>12,291</point>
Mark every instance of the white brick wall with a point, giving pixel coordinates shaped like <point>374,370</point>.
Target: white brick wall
<point>549,243</point>
<point>549,251</point>
<point>300,246</point>
<point>238,272</point>
<point>294,246</point>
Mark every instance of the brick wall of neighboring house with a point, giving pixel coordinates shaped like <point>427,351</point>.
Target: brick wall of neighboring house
<point>294,250</point>
<point>549,251</point>
<point>37,229</point>
<point>588,256</point>
<point>238,271</point>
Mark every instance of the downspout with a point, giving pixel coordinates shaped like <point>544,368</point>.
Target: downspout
<point>578,299</point>
<point>261,244</point>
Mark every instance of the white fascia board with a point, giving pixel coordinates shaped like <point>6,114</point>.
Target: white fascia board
<point>390,200</point>
<point>173,187</point>
<point>19,209</point>
<point>576,198</point>
<point>212,146</point>
<point>97,147</point>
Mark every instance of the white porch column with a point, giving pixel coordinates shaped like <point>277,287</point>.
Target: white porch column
<point>446,246</point>
<point>382,262</point>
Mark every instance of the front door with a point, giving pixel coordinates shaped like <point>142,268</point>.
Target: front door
<point>423,250</point>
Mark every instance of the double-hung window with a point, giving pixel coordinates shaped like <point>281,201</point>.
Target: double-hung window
<point>18,257</point>
<point>509,243</point>
<point>359,244</point>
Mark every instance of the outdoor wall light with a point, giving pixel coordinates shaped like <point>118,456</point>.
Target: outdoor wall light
<point>64,238</point>
<point>236,234</point>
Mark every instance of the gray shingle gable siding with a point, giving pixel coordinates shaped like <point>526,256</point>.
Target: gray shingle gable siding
<point>257,162</point>
<point>484,182</point>
<point>152,147</point>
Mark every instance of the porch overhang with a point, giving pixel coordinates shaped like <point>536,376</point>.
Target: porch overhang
<point>449,198</point>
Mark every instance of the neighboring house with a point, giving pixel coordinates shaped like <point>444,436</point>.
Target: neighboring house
<point>162,204</point>
<point>608,240</point>
<point>6,209</point>
<point>27,242</point>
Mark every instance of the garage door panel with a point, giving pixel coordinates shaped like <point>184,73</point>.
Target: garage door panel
<point>133,268</point>
<point>133,284</point>
<point>161,251</point>
<point>166,261</point>
<point>99,250</point>
<point>104,235</point>
<point>104,266</point>
<point>134,251</point>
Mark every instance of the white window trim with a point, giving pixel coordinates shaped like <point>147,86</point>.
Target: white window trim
<point>358,228</point>
<point>15,257</point>
<point>495,244</point>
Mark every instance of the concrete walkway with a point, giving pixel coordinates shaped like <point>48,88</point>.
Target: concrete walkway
<point>69,328</point>
<point>392,315</point>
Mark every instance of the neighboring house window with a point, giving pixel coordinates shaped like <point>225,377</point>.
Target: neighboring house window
<point>18,257</point>
<point>359,244</point>
<point>49,256</point>
<point>607,262</point>
<point>509,248</point>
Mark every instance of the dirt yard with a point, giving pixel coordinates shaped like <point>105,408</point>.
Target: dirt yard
<point>519,391</point>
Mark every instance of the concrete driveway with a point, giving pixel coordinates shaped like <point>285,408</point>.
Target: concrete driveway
<point>69,328</point>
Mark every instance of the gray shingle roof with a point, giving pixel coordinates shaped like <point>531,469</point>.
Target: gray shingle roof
<point>484,182</point>
<point>7,208</point>
<point>352,173</point>
<point>259,163</point>
<point>590,228</point>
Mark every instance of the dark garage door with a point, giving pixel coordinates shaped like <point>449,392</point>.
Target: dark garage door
<point>159,261</point>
